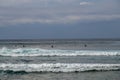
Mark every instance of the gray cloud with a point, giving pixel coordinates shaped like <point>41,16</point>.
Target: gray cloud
<point>33,3</point>
<point>8,3</point>
<point>57,19</point>
<point>57,11</point>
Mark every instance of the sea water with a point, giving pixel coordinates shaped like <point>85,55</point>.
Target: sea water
<point>59,59</point>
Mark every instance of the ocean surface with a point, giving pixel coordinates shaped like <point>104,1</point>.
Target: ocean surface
<point>60,59</point>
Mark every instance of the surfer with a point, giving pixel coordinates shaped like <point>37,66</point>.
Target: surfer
<point>85,45</point>
<point>52,46</point>
<point>23,45</point>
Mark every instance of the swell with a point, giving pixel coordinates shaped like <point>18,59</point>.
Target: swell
<point>45,52</point>
<point>58,67</point>
<point>24,72</point>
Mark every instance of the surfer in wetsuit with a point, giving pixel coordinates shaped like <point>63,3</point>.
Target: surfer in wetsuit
<point>23,45</point>
<point>52,46</point>
<point>85,45</point>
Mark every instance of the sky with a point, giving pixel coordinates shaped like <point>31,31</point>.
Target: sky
<point>59,19</point>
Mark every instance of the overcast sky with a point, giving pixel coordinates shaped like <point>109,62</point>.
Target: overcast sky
<point>48,19</point>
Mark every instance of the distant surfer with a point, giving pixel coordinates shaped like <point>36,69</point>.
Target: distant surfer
<point>52,46</point>
<point>23,45</point>
<point>85,45</point>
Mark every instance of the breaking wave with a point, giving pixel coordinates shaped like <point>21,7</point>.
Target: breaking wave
<point>45,52</point>
<point>58,67</point>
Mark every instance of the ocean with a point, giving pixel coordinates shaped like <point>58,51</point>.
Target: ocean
<point>60,59</point>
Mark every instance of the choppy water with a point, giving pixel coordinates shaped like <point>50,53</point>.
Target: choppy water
<point>63,56</point>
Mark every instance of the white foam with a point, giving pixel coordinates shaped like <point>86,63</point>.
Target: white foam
<point>45,52</point>
<point>59,67</point>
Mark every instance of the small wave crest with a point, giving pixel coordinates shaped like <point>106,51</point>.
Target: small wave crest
<point>58,67</point>
<point>45,52</point>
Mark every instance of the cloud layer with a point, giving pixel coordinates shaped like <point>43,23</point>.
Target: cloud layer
<point>57,11</point>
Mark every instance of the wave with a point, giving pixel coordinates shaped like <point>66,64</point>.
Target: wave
<point>58,67</point>
<point>45,52</point>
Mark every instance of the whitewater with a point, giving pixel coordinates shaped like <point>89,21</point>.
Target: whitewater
<point>46,52</point>
<point>67,63</point>
<point>59,59</point>
<point>59,67</point>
